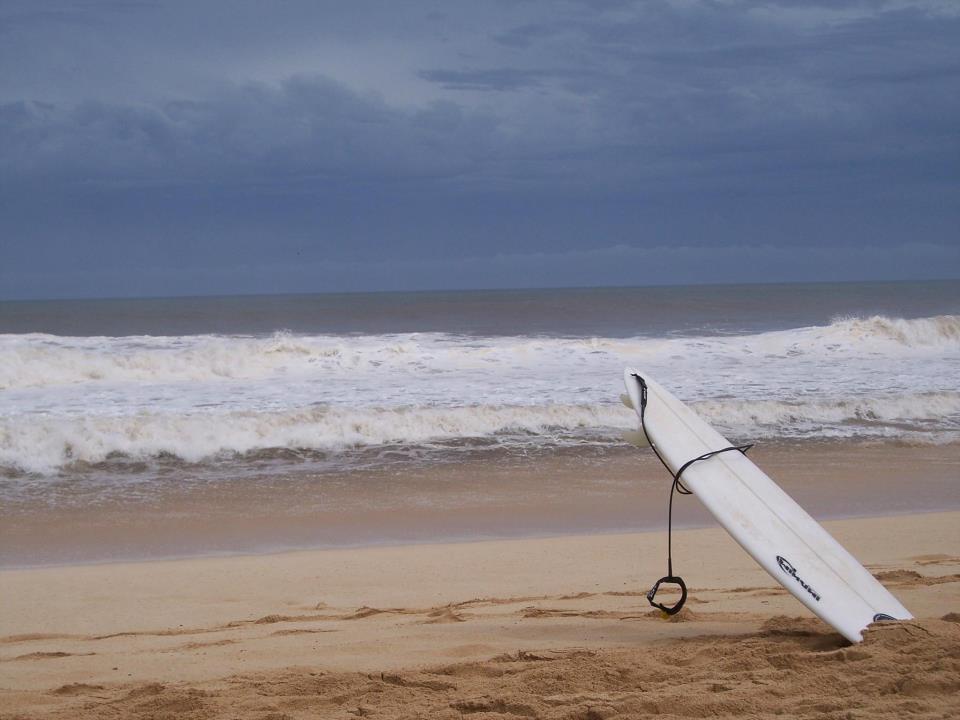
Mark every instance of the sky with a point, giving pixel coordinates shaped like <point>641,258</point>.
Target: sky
<point>231,146</point>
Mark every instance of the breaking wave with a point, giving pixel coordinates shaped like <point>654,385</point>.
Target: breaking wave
<point>38,360</point>
<point>849,417</point>
<point>940,330</point>
<point>70,400</point>
<point>43,444</point>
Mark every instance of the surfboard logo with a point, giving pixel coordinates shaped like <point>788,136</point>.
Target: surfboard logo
<point>790,570</point>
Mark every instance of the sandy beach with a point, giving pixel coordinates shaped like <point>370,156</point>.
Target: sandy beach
<point>554,627</point>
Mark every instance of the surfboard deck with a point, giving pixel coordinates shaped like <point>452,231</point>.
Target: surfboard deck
<point>767,523</point>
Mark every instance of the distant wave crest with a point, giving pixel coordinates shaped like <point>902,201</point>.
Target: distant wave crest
<point>932,331</point>
<point>43,360</point>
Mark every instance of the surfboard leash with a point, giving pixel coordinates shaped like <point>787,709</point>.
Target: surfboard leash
<point>679,488</point>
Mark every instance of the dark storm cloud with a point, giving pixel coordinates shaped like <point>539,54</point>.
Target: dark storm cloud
<point>489,79</point>
<point>198,142</point>
<point>300,128</point>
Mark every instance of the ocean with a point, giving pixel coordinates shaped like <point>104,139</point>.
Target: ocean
<point>126,400</point>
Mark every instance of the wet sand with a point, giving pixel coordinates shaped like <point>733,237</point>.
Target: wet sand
<point>552,628</point>
<point>571,492</point>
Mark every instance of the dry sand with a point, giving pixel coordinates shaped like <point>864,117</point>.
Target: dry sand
<point>546,628</point>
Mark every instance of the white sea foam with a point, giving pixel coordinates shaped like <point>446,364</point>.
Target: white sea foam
<point>845,417</point>
<point>44,443</point>
<point>66,399</point>
<point>38,360</point>
<point>942,330</point>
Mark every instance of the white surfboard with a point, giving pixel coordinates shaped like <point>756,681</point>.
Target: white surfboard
<point>773,529</point>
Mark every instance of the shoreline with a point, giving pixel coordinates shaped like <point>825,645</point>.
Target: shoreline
<point>554,496</point>
<point>442,541</point>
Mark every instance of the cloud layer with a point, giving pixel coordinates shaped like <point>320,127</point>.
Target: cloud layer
<point>184,143</point>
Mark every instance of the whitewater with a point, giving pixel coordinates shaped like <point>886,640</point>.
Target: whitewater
<point>70,402</point>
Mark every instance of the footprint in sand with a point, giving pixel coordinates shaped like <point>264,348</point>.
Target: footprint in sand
<point>936,559</point>
<point>76,689</point>
<point>911,578</point>
<point>444,615</point>
<point>50,655</point>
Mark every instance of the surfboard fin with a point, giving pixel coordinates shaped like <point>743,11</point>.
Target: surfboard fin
<point>636,437</point>
<point>625,399</point>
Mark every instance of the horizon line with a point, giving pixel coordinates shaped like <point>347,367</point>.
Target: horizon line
<point>426,291</point>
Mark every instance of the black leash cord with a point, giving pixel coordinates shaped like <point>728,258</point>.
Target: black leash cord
<point>676,487</point>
